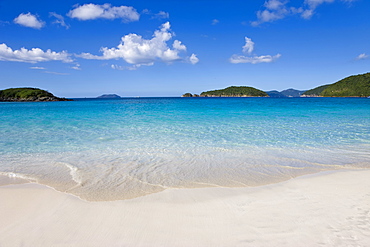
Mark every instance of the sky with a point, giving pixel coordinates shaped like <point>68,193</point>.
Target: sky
<point>76,48</point>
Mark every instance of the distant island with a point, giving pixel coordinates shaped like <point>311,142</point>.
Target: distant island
<point>286,93</point>
<point>28,94</point>
<point>232,91</point>
<point>190,95</point>
<point>109,96</point>
<point>352,86</point>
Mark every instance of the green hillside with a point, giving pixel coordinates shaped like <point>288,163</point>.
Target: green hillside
<point>234,91</point>
<point>353,86</point>
<point>27,94</point>
<point>316,91</point>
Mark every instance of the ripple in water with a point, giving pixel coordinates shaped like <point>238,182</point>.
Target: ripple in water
<point>121,149</point>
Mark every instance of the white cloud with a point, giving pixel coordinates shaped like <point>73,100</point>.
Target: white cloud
<point>106,11</point>
<point>275,10</point>
<point>249,46</point>
<point>307,14</point>
<point>136,50</point>
<point>29,20</point>
<point>76,67</point>
<point>278,9</point>
<point>117,67</point>
<point>274,4</point>
<point>133,67</point>
<point>162,15</point>
<point>32,56</point>
<point>193,59</point>
<point>248,49</point>
<point>177,45</point>
<point>314,3</point>
<point>254,60</point>
<point>362,56</point>
<point>59,20</point>
<point>55,73</point>
<point>215,21</point>
<point>37,68</point>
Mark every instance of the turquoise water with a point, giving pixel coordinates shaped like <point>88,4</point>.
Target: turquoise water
<point>125,148</point>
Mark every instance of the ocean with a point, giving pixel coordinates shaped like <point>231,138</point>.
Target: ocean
<point>104,150</point>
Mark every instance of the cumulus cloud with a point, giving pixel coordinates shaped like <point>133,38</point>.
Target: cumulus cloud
<point>136,50</point>
<point>106,11</point>
<point>362,56</point>
<point>249,46</point>
<point>248,49</point>
<point>274,10</point>
<point>193,59</point>
<point>177,45</point>
<point>29,20</point>
<point>34,55</point>
<point>59,20</point>
<point>278,9</point>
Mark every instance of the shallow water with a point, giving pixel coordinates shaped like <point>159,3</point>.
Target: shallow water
<point>125,148</point>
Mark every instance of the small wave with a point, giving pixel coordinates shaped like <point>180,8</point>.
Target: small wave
<point>18,175</point>
<point>74,172</point>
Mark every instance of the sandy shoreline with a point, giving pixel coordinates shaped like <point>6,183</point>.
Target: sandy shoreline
<point>326,209</point>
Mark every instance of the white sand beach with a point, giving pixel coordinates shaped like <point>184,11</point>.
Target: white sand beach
<point>325,209</point>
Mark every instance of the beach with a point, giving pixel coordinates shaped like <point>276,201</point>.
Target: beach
<point>330,208</point>
<point>185,123</point>
<point>170,172</point>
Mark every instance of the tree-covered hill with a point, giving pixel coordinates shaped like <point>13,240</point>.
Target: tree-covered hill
<point>316,91</point>
<point>235,91</point>
<point>352,86</point>
<point>28,94</point>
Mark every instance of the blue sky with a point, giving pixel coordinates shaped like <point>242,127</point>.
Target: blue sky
<point>169,47</point>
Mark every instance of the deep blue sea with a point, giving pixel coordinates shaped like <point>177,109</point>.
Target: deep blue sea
<point>130,147</point>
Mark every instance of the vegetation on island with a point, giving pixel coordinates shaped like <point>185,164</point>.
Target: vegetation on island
<point>190,95</point>
<point>28,95</point>
<point>187,95</point>
<point>235,91</point>
<point>352,86</point>
<point>315,92</point>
